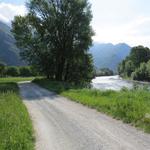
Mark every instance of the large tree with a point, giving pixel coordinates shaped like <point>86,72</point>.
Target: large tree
<point>55,37</point>
<point>139,55</point>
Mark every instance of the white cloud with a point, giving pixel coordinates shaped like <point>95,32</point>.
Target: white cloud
<point>121,21</point>
<point>8,11</point>
<point>134,32</point>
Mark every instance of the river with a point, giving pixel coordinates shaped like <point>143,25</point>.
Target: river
<point>112,83</point>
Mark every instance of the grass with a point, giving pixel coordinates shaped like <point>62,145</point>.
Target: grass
<point>16,79</point>
<point>130,106</point>
<point>16,131</point>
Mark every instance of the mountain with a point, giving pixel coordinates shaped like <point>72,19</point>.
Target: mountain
<point>104,55</point>
<point>9,53</point>
<point>109,55</point>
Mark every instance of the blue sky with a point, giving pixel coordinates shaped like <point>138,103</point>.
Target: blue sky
<point>114,21</point>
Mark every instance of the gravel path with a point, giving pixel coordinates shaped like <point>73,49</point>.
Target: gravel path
<point>61,124</point>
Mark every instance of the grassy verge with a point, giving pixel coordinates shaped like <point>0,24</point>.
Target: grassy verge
<point>16,79</point>
<point>16,132</point>
<point>130,106</point>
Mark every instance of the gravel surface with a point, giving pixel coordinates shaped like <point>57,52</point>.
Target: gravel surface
<point>61,124</point>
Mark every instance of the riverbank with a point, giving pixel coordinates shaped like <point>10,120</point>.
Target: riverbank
<point>130,106</point>
<point>135,81</point>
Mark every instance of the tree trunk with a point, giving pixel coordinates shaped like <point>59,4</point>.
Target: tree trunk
<point>60,69</point>
<point>66,72</point>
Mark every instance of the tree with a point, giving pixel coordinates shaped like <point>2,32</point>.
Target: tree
<point>129,68</point>
<point>2,69</point>
<point>137,64</point>
<point>25,71</point>
<point>141,73</point>
<point>139,55</point>
<point>148,70</point>
<point>12,71</point>
<point>121,68</point>
<point>34,71</point>
<point>55,37</point>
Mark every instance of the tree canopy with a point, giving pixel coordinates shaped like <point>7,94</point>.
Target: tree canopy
<point>55,37</point>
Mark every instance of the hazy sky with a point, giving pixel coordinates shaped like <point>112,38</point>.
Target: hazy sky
<point>114,21</point>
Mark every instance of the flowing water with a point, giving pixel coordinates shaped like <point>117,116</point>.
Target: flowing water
<point>112,83</point>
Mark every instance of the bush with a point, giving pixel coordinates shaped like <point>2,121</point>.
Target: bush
<point>12,71</point>
<point>129,68</point>
<point>2,69</point>
<point>148,69</point>
<point>141,73</point>
<point>25,71</point>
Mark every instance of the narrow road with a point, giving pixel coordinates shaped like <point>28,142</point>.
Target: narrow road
<point>61,124</point>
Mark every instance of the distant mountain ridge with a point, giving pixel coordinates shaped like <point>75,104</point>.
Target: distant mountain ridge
<point>109,55</point>
<point>9,53</point>
<point>104,55</point>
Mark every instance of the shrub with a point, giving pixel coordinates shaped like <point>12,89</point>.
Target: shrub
<point>141,73</point>
<point>25,71</point>
<point>2,69</point>
<point>12,71</point>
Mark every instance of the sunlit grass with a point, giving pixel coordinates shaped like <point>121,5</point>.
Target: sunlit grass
<point>16,132</point>
<point>16,79</point>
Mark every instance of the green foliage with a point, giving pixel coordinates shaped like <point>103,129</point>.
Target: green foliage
<point>55,37</point>
<point>22,71</point>
<point>131,106</point>
<point>137,64</point>
<point>25,71</point>
<point>16,132</point>
<point>129,67</point>
<point>139,55</point>
<point>12,71</point>
<point>57,86</point>
<point>141,73</point>
<point>148,69</point>
<point>2,69</point>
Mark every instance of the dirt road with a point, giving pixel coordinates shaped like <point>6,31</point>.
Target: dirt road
<point>61,124</point>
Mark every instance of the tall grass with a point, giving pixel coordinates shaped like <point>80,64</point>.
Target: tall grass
<point>16,132</point>
<point>15,79</point>
<point>130,106</point>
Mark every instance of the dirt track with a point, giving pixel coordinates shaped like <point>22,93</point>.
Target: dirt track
<point>61,124</point>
